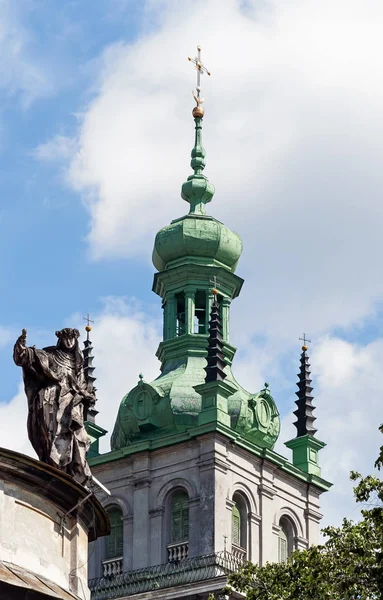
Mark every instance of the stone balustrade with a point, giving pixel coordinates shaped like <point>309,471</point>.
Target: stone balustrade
<point>177,552</point>
<point>112,566</point>
<point>238,552</point>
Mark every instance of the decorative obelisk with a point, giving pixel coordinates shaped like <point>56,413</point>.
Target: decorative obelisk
<point>305,445</point>
<point>94,431</point>
<point>215,391</point>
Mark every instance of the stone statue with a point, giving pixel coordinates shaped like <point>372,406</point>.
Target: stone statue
<point>58,402</point>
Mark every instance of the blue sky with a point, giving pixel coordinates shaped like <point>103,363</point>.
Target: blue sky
<point>95,137</point>
<point>47,274</point>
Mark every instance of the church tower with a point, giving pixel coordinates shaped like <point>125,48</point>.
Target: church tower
<point>196,487</point>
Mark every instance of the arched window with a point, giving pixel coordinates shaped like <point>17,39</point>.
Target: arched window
<point>285,539</point>
<point>239,524</point>
<point>179,517</point>
<point>115,541</point>
<point>236,526</point>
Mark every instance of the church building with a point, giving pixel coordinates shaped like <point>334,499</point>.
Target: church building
<point>196,486</point>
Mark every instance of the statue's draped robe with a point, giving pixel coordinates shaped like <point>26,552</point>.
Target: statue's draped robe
<point>56,390</point>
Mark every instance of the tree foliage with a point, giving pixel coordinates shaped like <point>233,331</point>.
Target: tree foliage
<point>348,565</point>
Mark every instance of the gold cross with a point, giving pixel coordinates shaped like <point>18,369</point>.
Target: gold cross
<point>201,69</point>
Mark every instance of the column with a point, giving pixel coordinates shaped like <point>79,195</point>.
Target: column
<point>189,309</point>
<point>171,316</point>
<point>225,307</point>
<point>157,543</point>
<point>165,319</point>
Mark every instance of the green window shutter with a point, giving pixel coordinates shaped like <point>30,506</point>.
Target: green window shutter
<point>179,517</point>
<point>282,547</point>
<point>235,526</point>
<point>115,541</point>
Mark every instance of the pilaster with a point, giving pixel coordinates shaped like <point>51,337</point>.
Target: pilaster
<point>156,517</point>
<point>268,546</point>
<point>254,537</point>
<point>128,542</point>
<point>195,530</point>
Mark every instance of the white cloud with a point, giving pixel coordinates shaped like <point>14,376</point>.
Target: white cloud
<point>293,133</point>
<point>13,424</point>
<point>57,148</point>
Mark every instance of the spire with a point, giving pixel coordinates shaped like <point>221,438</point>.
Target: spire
<point>215,391</point>
<point>88,366</point>
<point>88,357</point>
<point>304,412</point>
<point>215,358</point>
<point>305,445</point>
<point>198,190</point>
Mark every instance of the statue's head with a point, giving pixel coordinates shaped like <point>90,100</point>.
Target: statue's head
<point>67,339</point>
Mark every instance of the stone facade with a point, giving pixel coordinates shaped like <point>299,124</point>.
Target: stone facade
<point>43,546</point>
<point>212,470</point>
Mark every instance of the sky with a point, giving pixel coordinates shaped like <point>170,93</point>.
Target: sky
<point>95,139</point>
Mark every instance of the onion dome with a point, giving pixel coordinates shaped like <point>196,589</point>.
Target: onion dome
<point>197,237</point>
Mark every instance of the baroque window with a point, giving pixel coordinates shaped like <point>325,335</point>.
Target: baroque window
<point>285,539</point>
<point>115,541</point>
<point>239,526</point>
<point>179,517</point>
<point>235,526</point>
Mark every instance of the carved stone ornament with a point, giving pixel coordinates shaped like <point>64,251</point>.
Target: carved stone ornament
<point>58,402</point>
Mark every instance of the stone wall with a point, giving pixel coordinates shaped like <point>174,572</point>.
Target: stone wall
<point>211,469</point>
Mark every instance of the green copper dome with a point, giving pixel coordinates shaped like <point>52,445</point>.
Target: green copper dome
<point>198,236</point>
<point>192,254</point>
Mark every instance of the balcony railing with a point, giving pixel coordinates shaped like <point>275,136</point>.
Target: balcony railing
<point>238,552</point>
<point>171,574</point>
<point>177,552</point>
<point>112,566</point>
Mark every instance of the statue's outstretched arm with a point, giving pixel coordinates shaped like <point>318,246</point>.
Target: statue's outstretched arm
<point>20,350</point>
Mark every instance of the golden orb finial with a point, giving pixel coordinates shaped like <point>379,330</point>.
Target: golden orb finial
<point>198,112</point>
<point>304,348</point>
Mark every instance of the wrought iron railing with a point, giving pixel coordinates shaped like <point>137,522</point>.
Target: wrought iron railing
<point>171,574</point>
